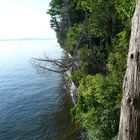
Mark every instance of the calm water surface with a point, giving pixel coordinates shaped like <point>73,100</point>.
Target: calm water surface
<point>32,107</point>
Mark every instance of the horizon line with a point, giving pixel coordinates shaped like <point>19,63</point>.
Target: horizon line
<point>28,38</point>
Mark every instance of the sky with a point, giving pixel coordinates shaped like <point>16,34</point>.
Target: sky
<point>25,19</point>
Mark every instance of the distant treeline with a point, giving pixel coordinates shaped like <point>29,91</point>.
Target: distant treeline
<point>22,39</point>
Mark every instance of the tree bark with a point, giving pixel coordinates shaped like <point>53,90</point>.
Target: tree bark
<point>129,128</point>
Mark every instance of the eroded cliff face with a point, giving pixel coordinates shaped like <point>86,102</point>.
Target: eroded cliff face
<point>130,111</point>
<point>71,85</point>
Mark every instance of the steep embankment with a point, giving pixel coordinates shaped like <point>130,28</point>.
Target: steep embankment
<point>96,34</point>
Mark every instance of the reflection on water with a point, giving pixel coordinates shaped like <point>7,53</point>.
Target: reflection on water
<point>32,107</point>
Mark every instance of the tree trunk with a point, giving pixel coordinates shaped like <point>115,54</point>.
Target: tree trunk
<point>129,128</point>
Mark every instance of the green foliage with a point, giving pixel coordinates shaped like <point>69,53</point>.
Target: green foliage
<point>73,35</point>
<point>98,106</point>
<point>92,59</point>
<point>125,10</point>
<point>104,21</point>
<point>77,76</point>
<point>118,56</point>
<point>100,96</point>
<point>97,33</point>
<point>55,12</point>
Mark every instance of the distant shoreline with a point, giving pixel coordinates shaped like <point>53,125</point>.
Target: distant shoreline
<point>27,39</point>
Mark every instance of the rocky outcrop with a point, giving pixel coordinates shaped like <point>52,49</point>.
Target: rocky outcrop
<point>71,85</point>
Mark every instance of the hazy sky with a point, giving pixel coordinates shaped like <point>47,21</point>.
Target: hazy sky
<point>25,18</point>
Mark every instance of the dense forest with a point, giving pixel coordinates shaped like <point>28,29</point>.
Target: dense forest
<point>96,34</point>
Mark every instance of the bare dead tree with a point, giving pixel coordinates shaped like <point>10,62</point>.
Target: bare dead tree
<point>129,128</point>
<point>45,65</point>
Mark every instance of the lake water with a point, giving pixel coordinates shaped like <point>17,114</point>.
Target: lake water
<point>32,107</point>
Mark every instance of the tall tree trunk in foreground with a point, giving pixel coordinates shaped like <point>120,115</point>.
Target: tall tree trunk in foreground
<point>129,128</point>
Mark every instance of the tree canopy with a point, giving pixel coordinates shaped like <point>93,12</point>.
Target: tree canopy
<point>97,32</point>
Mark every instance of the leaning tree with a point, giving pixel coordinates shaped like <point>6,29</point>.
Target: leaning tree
<point>129,128</point>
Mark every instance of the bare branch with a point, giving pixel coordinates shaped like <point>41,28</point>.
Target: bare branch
<point>45,65</point>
